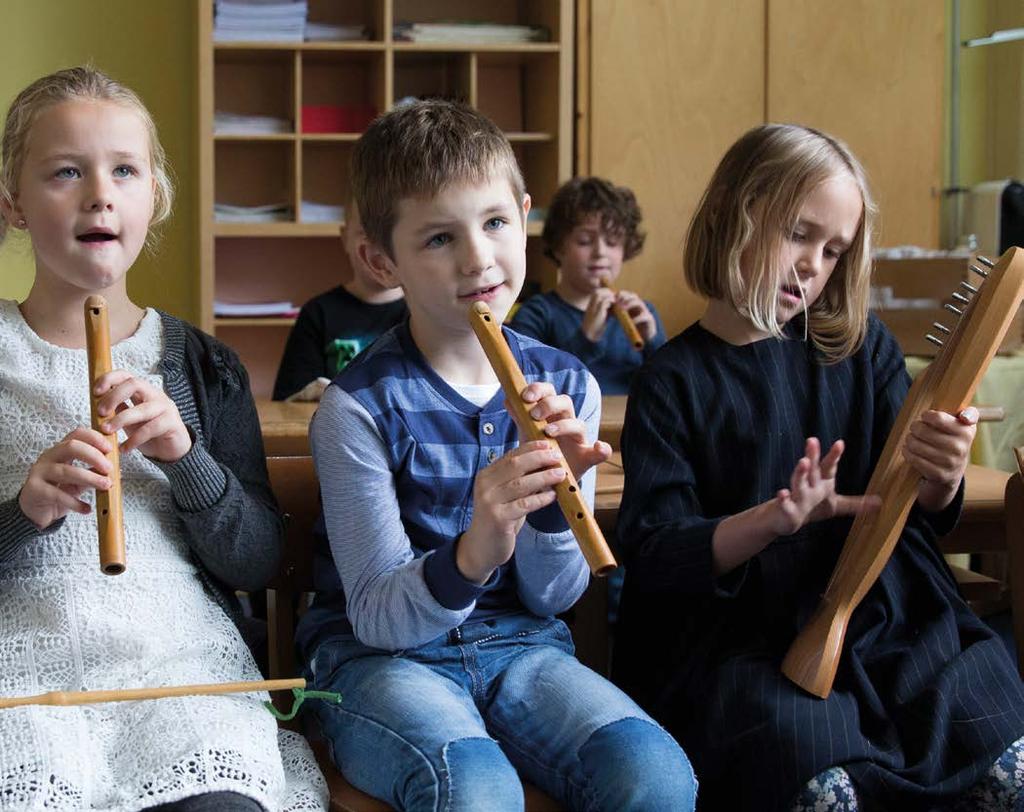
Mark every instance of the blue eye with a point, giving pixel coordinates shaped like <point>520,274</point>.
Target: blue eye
<point>124,171</point>
<point>67,173</point>
<point>496,224</point>
<point>439,240</point>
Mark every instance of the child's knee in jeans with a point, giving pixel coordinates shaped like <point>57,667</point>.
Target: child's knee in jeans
<point>478,775</point>
<point>634,763</point>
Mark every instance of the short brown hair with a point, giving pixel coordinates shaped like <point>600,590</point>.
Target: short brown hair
<point>752,204</point>
<point>85,83</point>
<point>580,197</point>
<point>419,149</point>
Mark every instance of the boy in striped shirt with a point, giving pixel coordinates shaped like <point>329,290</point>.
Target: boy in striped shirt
<point>450,556</point>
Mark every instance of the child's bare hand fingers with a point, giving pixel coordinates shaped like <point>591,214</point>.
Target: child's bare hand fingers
<point>522,486</point>
<point>536,391</point>
<point>62,474</point>
<point>67,451</point>
<point>109,380</point>
<point>937,448</point>
<point>133,391</point>
<point>570,429</point>
<point>146,430</point>
<point>553,407</point>
<point>935,426</point>
<point>830,462</point>
<point>798,479</point>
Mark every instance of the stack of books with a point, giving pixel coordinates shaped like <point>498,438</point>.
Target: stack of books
<point>268,213</point>
<point>259,21</point>
<point>463,32</point>
<point>254,310</point>
<point>225,123</point>
<point>328,32</point>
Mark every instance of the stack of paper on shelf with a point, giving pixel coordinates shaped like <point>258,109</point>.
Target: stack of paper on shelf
<point>269,213</point>
<point>326,32</point>
<point>254,310</point>
<point>310,212</point>
<point>469,32</point>
<point>225,123</point>
<point>259,21</point>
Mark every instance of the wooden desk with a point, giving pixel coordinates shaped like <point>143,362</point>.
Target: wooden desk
<point>286,425</point>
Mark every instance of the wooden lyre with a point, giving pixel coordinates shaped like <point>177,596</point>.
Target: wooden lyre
<point>109,517</point>
<point>584,527</point>
<point>628,326</point>
<point>948,385</point>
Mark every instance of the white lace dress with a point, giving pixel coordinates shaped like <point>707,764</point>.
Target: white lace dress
<point>66,626</point>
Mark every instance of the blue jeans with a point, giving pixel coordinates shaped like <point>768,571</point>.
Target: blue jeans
<point>446,726</point>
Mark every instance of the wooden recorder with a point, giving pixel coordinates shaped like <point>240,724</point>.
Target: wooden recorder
<point>109,517</point>
<point>628,327</point>
<point>589,536</point>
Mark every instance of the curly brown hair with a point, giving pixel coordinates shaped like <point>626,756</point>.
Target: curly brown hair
<point>580,197</point>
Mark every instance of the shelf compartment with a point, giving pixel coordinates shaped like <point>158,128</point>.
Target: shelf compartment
<point>255,82</point>
<point>325,174</point>
<point>294,269</point>
<point>349,84</point>
<point>539,165</point>
<point>253,173</point>
<point>505,81</point>
<point>367,13</point>
<point>434,75</point>
<point>504,12</point>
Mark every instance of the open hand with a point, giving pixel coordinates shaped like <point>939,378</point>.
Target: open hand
<point>811,495</point>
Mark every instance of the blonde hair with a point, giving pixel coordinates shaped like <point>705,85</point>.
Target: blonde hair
<point>84,83</point>
<point>419,149</point>
<point>752,205</point>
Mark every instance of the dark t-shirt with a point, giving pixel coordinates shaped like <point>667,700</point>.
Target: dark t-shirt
<point>331,330</point>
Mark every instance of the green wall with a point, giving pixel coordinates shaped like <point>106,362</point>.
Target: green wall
<point>150,45</point>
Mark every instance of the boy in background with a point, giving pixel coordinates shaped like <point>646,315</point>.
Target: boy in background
<point>335,326</point>
<point>592,227</point>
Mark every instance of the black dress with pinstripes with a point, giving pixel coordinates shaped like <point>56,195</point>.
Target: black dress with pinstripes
<point>926,697</point>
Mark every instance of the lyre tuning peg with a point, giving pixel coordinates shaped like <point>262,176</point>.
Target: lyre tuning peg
<point>979,271</point>
<point>941,327</point>
<point>953,309</point>
<point>937,342</point>
<point>968,286</point>
<point>985,261</point>
<point>961,298</point>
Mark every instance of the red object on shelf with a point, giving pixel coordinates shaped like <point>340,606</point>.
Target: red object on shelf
<point>333,118</point>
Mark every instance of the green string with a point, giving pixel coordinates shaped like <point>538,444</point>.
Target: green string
<point>301,695</point>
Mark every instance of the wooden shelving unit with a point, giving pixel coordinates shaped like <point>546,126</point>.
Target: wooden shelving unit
<point>525,88</point>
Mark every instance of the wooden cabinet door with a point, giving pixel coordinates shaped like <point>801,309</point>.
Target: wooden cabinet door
<point>872,74</point>
<point>670,86</point>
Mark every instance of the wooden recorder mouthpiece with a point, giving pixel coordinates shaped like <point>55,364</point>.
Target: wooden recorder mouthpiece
<point>628,327</point>
<point>109,516</point>
<point>588,535</point>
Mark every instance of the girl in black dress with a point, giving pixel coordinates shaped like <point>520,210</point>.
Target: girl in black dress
<point>744,438</point>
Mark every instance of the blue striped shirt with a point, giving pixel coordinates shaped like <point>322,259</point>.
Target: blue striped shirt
<point>397,452</point>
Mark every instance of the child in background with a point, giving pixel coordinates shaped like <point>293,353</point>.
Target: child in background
<point>451,556</point>
<point>335,326</point>
<point>592,227</point>
<point>739,438</point>
<point>84,175</point>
